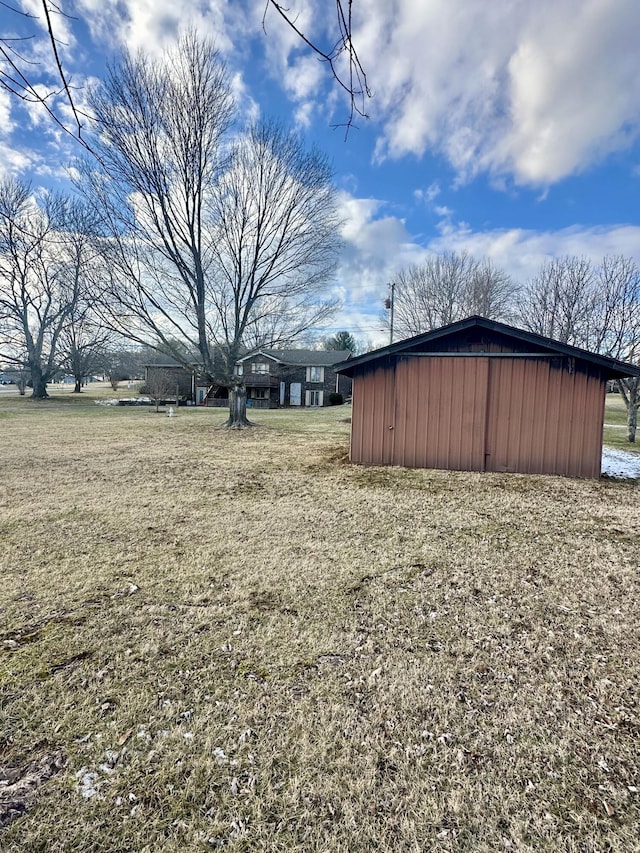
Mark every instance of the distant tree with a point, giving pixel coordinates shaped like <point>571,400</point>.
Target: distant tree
<point>594,306</point>
<point>619,313</point>
<point>119,363</point>
<point>159,385</point>
<point>342,341</point>
<point>84,336</point>
<point>560,302</point>
<point>81,346</point>
<point>215,242</point>
<point>42,277</point>
<point>447,288</point>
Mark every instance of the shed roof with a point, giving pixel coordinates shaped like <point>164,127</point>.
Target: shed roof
<point>612,367</point>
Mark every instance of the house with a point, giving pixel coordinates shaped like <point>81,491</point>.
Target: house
<point>170,379</point>
<point>293,377</point>
<point>480,395</point>
<point>273,378</point>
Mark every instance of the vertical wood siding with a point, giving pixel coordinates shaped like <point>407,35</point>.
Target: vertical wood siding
<point>496,414</point>
<point>372,415</point>
<point>440,413</point>
<point>544,419</point>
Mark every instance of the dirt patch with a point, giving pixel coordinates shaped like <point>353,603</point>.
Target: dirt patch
<point>19,786</point>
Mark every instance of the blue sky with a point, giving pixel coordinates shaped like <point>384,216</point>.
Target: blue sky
<point>507,128</point>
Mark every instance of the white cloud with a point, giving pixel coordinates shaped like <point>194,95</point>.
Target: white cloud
<point>429,195</point>
<point>154,25</point>
<point>531,91</point>
<point>14,161</point>
<point>521,251</point>
<point>377,246</point>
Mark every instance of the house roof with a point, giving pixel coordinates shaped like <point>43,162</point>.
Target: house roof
<point>613,367</point>
<point>302,357</point>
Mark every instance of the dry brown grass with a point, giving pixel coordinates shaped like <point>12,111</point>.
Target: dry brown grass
<point>240,642</point>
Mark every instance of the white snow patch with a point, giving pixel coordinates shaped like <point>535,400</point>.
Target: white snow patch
<point>87,783</point>
<point>620,464</point>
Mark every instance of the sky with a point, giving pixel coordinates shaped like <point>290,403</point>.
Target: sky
<point>509,129</point>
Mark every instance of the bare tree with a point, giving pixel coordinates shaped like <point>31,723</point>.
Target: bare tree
<point>617,326</point>
<point>274,244</point>
<point>447,288</point>
<point>213,245</point>
<point>560,302</point>
<point>83,336</point>
<point>596,307</point>
<point>39,285</point>
<point>82,343</point>
<point>159,384</point>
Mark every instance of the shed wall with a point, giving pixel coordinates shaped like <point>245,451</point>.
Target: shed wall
<point>475,413</point>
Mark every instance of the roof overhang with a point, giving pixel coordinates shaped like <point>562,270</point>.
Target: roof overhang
<point>612,367</point>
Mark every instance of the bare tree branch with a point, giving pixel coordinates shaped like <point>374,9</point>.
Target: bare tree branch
<point>19,82</point>
<point>354,82</point>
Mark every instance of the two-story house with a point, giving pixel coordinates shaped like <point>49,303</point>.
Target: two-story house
<point>292,377</point>
<point>273,378</point>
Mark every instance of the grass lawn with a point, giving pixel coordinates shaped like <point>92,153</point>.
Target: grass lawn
<point>238,641</point>
<point>615,425</point>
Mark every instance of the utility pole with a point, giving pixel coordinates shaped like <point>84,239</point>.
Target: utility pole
<point>389,305</point>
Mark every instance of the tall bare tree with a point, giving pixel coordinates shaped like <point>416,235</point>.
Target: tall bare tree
<point>447,288</point>
<point>274,245</point>
<point>216,242</point>
<point>594,306</point>
<point>560,302</point>
<point>42,278</point>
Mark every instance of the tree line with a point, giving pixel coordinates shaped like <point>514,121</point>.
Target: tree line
<point>594,306</point>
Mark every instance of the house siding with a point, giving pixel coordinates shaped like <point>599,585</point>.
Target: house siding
<point>293,374</point>
<point>177,376</point>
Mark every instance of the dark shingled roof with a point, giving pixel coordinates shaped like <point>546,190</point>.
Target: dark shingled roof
<point>304,357</point>
<point>613,367</point>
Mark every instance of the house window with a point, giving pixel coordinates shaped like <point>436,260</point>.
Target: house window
<point>315,374</point>
<point>239,369</point>
<point>259,367</point>
<point>314,398</point>
<point>259,393</point>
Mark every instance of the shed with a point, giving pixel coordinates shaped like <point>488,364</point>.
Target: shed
<point>479,395</point>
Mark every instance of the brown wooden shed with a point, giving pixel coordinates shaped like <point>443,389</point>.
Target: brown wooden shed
<point>479,395</point>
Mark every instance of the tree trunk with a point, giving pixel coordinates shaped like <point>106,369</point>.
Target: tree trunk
<point>39,385</point>
<point>632,408</point>
<point>237,408</point>
<point>630,391</point>
<point>77,388</point>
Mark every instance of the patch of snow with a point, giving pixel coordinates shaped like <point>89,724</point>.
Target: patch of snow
<point>87,783</point>
<point>620,464</point>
